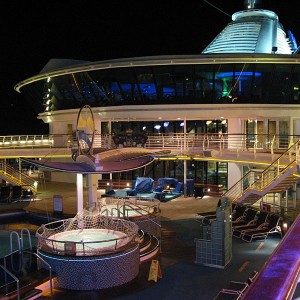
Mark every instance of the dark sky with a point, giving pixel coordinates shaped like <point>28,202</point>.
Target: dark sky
<point>34,31</point>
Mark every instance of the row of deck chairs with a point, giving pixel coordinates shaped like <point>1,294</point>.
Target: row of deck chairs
<point>235,289</point>
<point>13,193</point>
<point>254,224</point>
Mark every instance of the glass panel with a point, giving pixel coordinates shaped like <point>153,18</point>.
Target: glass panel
<point>262,82</point>
<point>147,85</point>
<point>250,133</point>
<point>283,134</point>
<point>222,173</point>
<point>165,83</point>
<point>204,82</point>
<point>280,90</point>
<point>211,172</point>
<point>184,81</point>
<point>260,134</point>
<point>224,83</point>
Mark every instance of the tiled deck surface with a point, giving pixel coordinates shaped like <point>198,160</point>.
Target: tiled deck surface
<point>181,277</point>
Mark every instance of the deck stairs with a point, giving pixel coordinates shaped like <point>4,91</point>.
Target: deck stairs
<point>16,177</point>
<point>279,176</point>
<point>22,271</point>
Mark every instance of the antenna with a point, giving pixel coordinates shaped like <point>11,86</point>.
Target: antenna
<point>250,4</point>
<point>217,8</point>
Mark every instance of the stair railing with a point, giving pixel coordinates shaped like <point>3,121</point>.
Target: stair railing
<point>17,177</point>
<point>259,181</point>
<point>8,273</point>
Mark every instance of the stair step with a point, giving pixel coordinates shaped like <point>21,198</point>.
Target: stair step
<point>151,251</point>
<point>32,294</point>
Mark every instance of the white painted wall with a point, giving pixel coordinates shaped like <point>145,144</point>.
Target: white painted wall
<point>235,172</point>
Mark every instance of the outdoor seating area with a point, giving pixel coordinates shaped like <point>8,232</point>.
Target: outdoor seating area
<point>14,193</point>
<point>254,224</point>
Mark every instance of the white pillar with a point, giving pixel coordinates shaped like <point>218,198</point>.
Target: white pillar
<point>184,177</point>
<point>79,182</point>
<point>92,178</point>
<point>235,128</point>
<point>235,173</point>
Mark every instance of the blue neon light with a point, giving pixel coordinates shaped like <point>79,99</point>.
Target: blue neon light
<point>69,259</point>
<point>237,74</point>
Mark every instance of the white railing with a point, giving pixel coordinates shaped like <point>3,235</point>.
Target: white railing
<point>176,141</point>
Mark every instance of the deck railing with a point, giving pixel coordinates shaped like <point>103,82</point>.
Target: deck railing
<point>261,180</point>
<point>17,177</point>
<point>176,141</point>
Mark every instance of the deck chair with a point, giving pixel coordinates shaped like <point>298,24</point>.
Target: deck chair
<point>5,193</point>
<point>16,193</point>
<point>228,295</point>
<point>258,222</point>
<point>241,286</point>
<point>237,288</point>
<point>247,217</point>
<point>238,212</point>
<point>178,188</point>
<point>271,227</point>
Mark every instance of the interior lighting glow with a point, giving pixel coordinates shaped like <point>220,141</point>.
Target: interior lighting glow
<point>157,127</point>
<point>166,124</point>
<point>48,79</point>
<point>238,74</point>
<point>182,124</point>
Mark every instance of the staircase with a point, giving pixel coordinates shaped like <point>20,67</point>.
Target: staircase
<point>15,177</point>
<point>149,246</point>
<point>277,177</point>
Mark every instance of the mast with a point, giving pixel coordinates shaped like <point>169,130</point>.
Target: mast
<point>251,4</point>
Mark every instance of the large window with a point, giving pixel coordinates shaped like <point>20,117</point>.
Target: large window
<point>167,84</point>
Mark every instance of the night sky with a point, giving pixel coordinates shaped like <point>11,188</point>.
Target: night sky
<point>35,31</point>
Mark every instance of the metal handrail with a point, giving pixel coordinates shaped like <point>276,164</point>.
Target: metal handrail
<point>259,181</point>
<point>50,269</point>
<point>18,177</point>
<point>14,278</point>
<point>178,141</point>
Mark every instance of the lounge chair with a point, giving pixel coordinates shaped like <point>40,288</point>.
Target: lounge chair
<point>5,193</point>
<point>236,289</point>
<point>238,212</point>
<point>228,295</point>
<point>16,193</point>
<point>271,227</point>
<point>247,217</point>
<point>257,223</point>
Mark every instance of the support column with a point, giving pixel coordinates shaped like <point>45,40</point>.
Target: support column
<point>184,178</point>
<point>79,185</point>
<point>92,179</point>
